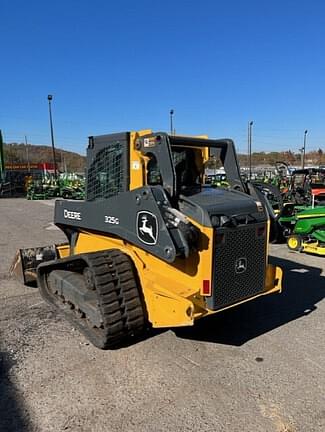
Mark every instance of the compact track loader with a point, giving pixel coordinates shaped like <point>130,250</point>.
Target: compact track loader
<point>151,244</point>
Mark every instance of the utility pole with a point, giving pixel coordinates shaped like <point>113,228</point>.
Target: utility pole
<point>250,124</point>
<point>171,113</point>
<point>27,153</point>
<point>303,155</point>
<point>2,160</point>
<point>63,162</point>
<point>49,98</point>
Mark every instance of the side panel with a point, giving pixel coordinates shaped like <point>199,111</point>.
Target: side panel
<point>134,216</point>
<point>171,291</point>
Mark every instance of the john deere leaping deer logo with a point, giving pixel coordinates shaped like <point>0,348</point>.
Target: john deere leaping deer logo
<point>241,265</point>
<point>147,227</point>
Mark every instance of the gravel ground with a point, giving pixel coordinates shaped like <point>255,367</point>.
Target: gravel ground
<point>258,367</point>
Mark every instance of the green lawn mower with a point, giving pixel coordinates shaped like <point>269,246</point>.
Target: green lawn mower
<point>305,229</point>
<point>36,191</point>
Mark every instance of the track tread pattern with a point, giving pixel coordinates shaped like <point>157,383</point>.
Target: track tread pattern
<point>119,298</point>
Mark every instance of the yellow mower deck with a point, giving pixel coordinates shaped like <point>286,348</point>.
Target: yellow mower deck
<point>313,248</point>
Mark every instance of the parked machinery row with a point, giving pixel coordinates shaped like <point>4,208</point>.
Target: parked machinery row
<point>299,209</point>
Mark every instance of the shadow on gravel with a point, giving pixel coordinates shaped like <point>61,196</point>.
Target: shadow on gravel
<point>303,288</point>
<point>13,415</point>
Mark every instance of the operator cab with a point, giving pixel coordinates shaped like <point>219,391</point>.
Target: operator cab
<point>177,164</point>
<point>189,170</point>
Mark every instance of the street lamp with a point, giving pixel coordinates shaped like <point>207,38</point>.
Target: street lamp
<point>27,153</point>
<point>49,98</point>
<point>304,150</point>
<point>250,124</point>
<point>171,113</point>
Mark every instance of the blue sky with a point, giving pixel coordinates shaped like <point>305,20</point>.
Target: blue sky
<point>122,65</point>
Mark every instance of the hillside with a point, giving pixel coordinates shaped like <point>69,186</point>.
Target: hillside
<point>20,153</point>
<point>74,162</point>
<point>313,158</point>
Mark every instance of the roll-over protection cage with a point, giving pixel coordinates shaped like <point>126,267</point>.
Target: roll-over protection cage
<point>108,161</point>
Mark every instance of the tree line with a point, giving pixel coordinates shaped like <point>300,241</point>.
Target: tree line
<point>74,162</point>
<point>315,158</point>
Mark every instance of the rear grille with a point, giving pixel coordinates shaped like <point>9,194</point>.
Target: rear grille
<point>239,265</point>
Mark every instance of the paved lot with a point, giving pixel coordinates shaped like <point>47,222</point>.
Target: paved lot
<point>259,367</point>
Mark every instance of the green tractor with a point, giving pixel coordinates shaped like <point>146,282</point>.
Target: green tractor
<point>36,190</point>
<point>307,231</point>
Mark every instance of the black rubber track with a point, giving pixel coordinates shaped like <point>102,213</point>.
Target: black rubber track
<point>119,298</point>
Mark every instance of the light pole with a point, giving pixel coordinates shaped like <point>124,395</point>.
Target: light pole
<point>27,153</point>
<point>49,98</point>
<point>2,160</point>
<point>171,113</point>
<point>250,124</point>
<point>304,150</point>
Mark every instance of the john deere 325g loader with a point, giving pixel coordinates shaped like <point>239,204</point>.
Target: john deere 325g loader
<point>151,244</point>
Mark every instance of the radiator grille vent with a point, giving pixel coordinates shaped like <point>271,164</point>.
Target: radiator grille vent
<point>239,265</point>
